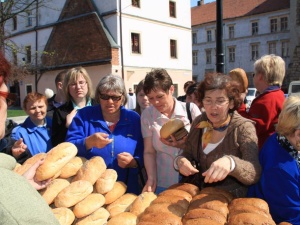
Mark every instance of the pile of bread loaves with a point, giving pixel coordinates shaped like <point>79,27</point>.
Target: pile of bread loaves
<point>85,192</point>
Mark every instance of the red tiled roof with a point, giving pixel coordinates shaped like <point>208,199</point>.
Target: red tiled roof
<point>235,8</point>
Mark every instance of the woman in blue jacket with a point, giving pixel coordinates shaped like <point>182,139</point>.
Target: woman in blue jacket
<point>111,131</point>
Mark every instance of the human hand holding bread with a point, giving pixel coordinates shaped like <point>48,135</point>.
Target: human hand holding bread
<point>18,148</point>
<point>98,140</point>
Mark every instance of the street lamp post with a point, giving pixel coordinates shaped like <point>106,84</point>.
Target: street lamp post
<point>219,39</point>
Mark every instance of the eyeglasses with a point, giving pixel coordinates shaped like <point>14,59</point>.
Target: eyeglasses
<point>80,83</point>
<point>217,102</point>
<point>10,98</point>
<point>114,98</point>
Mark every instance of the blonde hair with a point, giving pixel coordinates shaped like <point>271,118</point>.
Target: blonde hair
<point>289,118</point>
<point>72,77</point>
<point>272,67</point>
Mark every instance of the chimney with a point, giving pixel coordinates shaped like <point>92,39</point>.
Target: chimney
<point>200,2</point>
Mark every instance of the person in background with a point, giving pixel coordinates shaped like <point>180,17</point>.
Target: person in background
<point>191,96</point>
<point>142,101</point>
<point>159,153</point>
<point>20,202</point>
<point>111,131</point>
<point>239,75</point>
<point>131,103</point>
<point>279,184</point>
<point>32,136</point>
<point>185,87</point>
<point>78,91</point>
<point>269,72</point>
<point>221,142</point>
<point>57,99</point>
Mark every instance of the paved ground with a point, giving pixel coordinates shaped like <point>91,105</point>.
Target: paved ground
<point>18,119</point>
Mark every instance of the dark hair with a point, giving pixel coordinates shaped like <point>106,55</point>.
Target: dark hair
<point>4,67</point>
<point>191,89</point>
<point>157,79</point>
<point>214,81</point>
<point>60,76</point>
<point>188,83</point>
<point>138,88</point>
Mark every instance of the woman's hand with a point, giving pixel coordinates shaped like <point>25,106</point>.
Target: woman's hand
<point>150,186</point>
<point>173,142</point>
<point>218,170</point>
<point>70,117</point>
<point>126,160</point>
<point>30,176</point>
<point>18,148</point>
<point>185,167</point>
<point>98,140</point>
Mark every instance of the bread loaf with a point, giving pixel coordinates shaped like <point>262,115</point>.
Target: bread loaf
<point>106,181</point>
<point>118,190</point>
<point>73,193</point>
<point>55,160</point>
<point>201,221</point>
<point>124,218</point>
<point>213,205</point>
<point>142,202</point>
<point>72,167</point>
<point>64,215</point>
<point>88,205</point>
<point>205,213</point>
<point>52,190</point>
<point>172,200</point>
<point>122,204</point>
<point>175,209</point>
<point>176,192</point>
<point>256,202</point>
<point>214,190</point>
<point>250,219</point>
<point>160,218</point>
<point>190,188</point>
<point>99,217</point>
<point>91,170</point>
<point>29,162</point>
<point>201,199</point>
<point>247,209</point>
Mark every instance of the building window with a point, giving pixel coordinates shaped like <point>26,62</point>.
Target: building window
<point>231,51</point>
<point>272,48</point>
<point>29,19</point>
<point>14,19</point>
<point>173,49</point>
<point>194,38</point>
<point>195,57</point>
<point>231,32</point>
<point>135,43</point>
<point>283,23</point>
<point>172,8</point>
<point>28,54</point>
<point>208,56</point>
<point>273,24</point>
<point>135,3</point>
<point>284,49</point>
<point>254,52</point>
<point>254,28</point>
<point>208,34</point>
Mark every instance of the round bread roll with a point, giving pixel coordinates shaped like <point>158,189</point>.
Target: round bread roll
<point>124,218</point>
<point>250,219</point>
<point>175,209</point>
<point>55,160</point>
<point>88,205</point>
<point>118,190</point>
<point>201,221</point>
<point>72,167</point>
<point>190,188</point>
<point>122,204</point>
<point>91,170</point>
<point>160,218</point>
<point>175,192</point>
<point>29,162</point>
<point>99,217</point>
<point>172,200</point>
<point>73,193</point>
<point>52,190</point>
<point>64,215</point>
<point>256,202</point>
<point>173,127</point>
<point>106,181</point>
<point>205,213</point>
<point>142,202</point>
<point>214,190</point>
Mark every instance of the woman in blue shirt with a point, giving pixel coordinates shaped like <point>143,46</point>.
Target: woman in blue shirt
<point>111,131</point>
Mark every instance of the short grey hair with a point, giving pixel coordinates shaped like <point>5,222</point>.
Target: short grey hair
<point>111,83</point>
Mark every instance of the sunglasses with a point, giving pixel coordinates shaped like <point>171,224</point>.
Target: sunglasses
<point>114,98</point>
<point>10,98</point>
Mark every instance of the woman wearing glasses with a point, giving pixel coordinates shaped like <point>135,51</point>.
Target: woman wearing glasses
<point>78,91</point>
<point>111,131</point>
<point>226,152</point>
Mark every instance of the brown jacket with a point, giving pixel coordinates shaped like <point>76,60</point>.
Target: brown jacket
<point>240,143</point>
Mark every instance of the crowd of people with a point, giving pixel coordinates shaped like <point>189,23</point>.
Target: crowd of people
<point>249,152</point>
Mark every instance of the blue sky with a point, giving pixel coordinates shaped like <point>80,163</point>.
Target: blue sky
<point>194,2</point>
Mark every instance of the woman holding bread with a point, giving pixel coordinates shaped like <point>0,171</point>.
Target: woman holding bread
<point>111,131</point>
<point>78,91</point>
<point>279,184</point>
<point>159,153</point>
<point>221,143</point>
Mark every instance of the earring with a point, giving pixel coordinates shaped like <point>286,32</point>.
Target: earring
<point>298,144</point>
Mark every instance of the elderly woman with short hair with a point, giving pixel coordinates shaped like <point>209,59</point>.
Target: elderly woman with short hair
<point>111,131</point>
